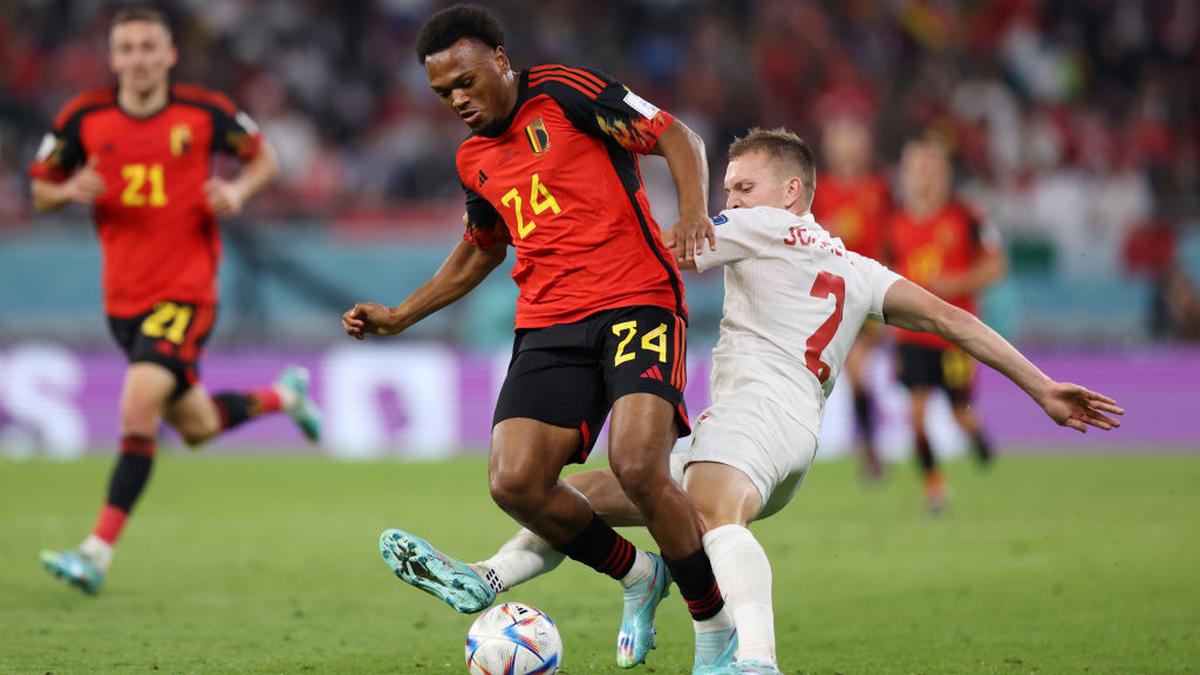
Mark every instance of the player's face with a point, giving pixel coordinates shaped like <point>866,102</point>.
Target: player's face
<point>924,173</point>
<point>141,55</point>
<point>847,146</point>
<point>753,179</point>
<point>474,81</point>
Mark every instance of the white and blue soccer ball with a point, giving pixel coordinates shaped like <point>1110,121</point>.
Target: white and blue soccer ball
<point>513,639</point>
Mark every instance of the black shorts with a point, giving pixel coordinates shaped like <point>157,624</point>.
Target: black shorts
<point>569,375</point>
<point>172,334</point>
<point>949,369</point>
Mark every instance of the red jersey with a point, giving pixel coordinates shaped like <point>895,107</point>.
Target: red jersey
<point>157,232</point>
<point>947,243</point>
<point>854,210</point>
<point>560,183</point>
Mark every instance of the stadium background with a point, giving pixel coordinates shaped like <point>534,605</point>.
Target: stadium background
<point>1075,129</point>
<point>1074,126</point>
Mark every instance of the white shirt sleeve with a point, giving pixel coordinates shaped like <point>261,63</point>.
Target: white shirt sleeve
<point>741,234</point>
<point>878,279</point>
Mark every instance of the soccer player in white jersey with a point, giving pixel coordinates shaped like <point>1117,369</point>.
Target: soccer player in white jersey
<point>795,300</point>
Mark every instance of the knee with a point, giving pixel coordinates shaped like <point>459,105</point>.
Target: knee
<point>515,494</point>
<point>641,473</point>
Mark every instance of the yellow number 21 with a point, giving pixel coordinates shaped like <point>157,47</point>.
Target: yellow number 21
<point>540,200</point>
<point>135,176</point>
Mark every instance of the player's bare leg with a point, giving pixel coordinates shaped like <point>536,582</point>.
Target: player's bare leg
<point>966,417</point>
<point>199,416</point>
<point>146,389</point>
<point>935,484</point>
<point>640,442</point>
<point>855,371</point>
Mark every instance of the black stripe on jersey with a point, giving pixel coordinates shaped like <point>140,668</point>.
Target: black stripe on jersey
<point>215,113</point>
<point>624,163</point>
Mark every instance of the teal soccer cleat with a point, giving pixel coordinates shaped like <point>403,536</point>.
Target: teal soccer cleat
<point>636,638</point>
<point>715,651</point>
<point>754,667</point>
<point>418,564</point>
<point>74,567</point>
<point>303,410</point>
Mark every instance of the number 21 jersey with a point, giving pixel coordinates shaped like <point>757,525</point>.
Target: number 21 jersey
<point>560,182</point>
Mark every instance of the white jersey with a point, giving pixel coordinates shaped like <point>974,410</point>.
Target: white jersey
<point>795,300</point>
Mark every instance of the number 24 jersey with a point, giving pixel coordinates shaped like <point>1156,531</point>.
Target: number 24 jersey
<point>560,182</point>
<point>795,299</point>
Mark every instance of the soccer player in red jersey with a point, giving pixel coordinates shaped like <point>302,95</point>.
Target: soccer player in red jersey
<point>939,244</point>
<point>140,154</point>
<point>854,203</point>
<point>550,168</point>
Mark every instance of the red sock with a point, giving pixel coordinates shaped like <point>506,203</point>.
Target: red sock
<point>267,399</point>
<point>110,523</point>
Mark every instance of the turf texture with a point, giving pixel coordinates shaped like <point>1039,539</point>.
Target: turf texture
<point>270,565</point>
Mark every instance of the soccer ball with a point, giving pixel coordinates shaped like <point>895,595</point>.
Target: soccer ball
<point>513,639</point>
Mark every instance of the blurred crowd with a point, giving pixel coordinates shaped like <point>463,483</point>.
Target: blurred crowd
<point>1075,124</point>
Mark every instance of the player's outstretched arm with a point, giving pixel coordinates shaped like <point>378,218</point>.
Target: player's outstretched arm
<point>909,306</point>
<point>464,268</point>
<point>83,187</point>
<point>684,152</point>
<point>227,197</point>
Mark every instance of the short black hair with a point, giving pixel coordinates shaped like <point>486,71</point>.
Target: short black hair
<point>452,24</point>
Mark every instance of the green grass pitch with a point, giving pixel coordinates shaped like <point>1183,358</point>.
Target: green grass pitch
<point>251,564</point>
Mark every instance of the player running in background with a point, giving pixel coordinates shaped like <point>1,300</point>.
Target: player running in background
<point>795,300</point>
<point>853,204</point>
<point>140,154</point>
<point>938,243</point>
<point>551,169</point>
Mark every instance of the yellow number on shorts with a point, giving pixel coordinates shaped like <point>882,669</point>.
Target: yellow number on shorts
<point>135,176</point>
<point>539,198</point>
<point>656,341</point>
<point>177,316</point>
<point>630,329</point>
<point>957,368</point>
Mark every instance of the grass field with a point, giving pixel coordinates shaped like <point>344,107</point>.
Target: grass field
<point>237,565</point>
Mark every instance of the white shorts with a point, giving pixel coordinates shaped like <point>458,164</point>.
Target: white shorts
<point>772,450</point>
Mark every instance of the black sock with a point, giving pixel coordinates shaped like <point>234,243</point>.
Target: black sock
<point>234,408</point>
<point>982,446</point>
<point>863,416</point>
<point>697,584</point>
<point>925,455</point>
<point>132,471</point>
<point>601,548</point>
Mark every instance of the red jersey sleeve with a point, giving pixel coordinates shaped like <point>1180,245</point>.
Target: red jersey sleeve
<point>598,105</point>
<point>61,151</point>
<point>485,228</point>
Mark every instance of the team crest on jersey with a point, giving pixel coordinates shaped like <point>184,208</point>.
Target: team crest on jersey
<point>181,139</point>
<point>539,138</point>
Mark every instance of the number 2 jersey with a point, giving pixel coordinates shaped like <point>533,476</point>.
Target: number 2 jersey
<point>157,231</point>
<point>795,299</point>
<point>560,183</point>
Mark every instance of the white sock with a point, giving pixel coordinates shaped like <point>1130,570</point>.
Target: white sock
<point>722,620</point>
<point>744,574</point>
<point>642,568</point>
<point>287,397</point>
<point>100,551</point>
<point>520,559</point>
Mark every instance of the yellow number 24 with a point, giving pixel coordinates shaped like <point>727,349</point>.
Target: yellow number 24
<point>540,199</point>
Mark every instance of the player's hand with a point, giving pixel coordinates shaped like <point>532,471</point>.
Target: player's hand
<point>368,317</point>
<point>686,239</point>
<point>1070,405</point>
<point>86,185</point>
<point>224,197</point>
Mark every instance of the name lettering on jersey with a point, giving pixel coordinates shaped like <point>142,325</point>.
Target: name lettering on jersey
<point>804,237</point>
<point>181,139</point>
<point>539,138</point>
